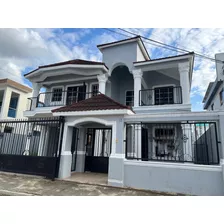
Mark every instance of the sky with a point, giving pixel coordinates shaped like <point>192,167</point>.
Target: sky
<point>22,50</point>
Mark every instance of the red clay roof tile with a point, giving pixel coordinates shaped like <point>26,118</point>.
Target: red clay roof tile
<point>99,102</point>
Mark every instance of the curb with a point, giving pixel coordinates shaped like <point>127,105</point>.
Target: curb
<point>13,193</point>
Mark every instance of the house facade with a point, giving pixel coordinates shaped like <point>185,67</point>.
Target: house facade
<point>214,96</point>
<point>130,116</point>
<point>13,99</point>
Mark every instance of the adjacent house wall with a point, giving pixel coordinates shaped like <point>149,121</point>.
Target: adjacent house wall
<point>219,66</point>
<point>21,106</point>
<point>216,101</point>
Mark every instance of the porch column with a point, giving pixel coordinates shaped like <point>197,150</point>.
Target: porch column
<point>102,79</point>
<point>36,90</point>
<point>185,82</point>
<point>137,75</point>
<point>80,158</point>
<point>66,155</point>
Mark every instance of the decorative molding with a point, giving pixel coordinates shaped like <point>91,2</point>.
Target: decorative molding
<point>137,73</point>
<point>103,77</point>
<point>184,67</point>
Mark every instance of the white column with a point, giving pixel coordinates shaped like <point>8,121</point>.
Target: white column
<point>137,75</point>
<point>102,82</point>
<point>36,90</point>
<point>66,156</point>
<point>184,70</point>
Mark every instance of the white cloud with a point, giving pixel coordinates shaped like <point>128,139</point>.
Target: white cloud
<point>22,48</point>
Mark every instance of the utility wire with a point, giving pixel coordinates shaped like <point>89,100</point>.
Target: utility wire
<point>175,48</point>
<point>143,40</point>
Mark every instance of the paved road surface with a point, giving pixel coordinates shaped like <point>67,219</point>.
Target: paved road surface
<point>14,184</point>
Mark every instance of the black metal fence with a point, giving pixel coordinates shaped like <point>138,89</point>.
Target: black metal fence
<point>31,146</point>
<point>160,96</point>
<point>194,142</point>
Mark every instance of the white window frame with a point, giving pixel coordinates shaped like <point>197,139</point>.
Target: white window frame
<point>16,110</point>
<point>126,95</point>
<point>91,87</point>
<point>154,144</point>
<point>62,97</point>
<point>162,86</point>
<point>74,85</point>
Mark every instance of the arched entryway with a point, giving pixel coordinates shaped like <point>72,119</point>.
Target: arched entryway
<point>122,85</point>
<point>91,147</point>
<point>88,143</point>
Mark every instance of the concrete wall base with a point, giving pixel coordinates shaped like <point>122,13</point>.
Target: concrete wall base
<point>65,166</point>
<point>187,179</point>
<point>80,162</point>
<point>116,167</point>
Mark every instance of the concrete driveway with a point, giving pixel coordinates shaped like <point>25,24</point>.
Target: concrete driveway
<point>16,184</point>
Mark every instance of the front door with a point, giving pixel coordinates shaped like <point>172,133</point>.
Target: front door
<point>98,149</point>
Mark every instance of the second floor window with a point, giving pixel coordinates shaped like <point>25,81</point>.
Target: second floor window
<point>13,105</point>
<point>221,96</point>
<point>56,94</point>
<point>129,98</point>
<point>164,95</point>
<point>95,89</point>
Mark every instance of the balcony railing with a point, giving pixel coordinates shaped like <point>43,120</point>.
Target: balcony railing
<point>194,142</point>
<point>160,96</point>
<point>62,98</point>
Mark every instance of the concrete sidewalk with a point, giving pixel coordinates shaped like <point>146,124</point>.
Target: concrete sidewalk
<point>22,185</point>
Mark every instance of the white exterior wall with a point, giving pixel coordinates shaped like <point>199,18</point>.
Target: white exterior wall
<point>122,54</point>
<point>140,56</point>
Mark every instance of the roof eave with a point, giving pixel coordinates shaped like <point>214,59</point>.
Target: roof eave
<point>95,112</point>
<point>168,59</point>
<point>30,74</point>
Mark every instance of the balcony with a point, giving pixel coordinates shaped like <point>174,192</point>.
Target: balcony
<point>160,96</point>
<point>57,99</point>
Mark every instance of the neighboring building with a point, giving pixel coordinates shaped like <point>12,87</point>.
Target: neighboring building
<point>128,116</point>
<point>214,96</point>
<point>13,99</point>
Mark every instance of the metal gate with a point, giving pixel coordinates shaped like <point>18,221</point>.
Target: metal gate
<point>31,146</point>
<point>98,149</point>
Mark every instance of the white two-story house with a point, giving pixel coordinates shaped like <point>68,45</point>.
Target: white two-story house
<point>127,115</point>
